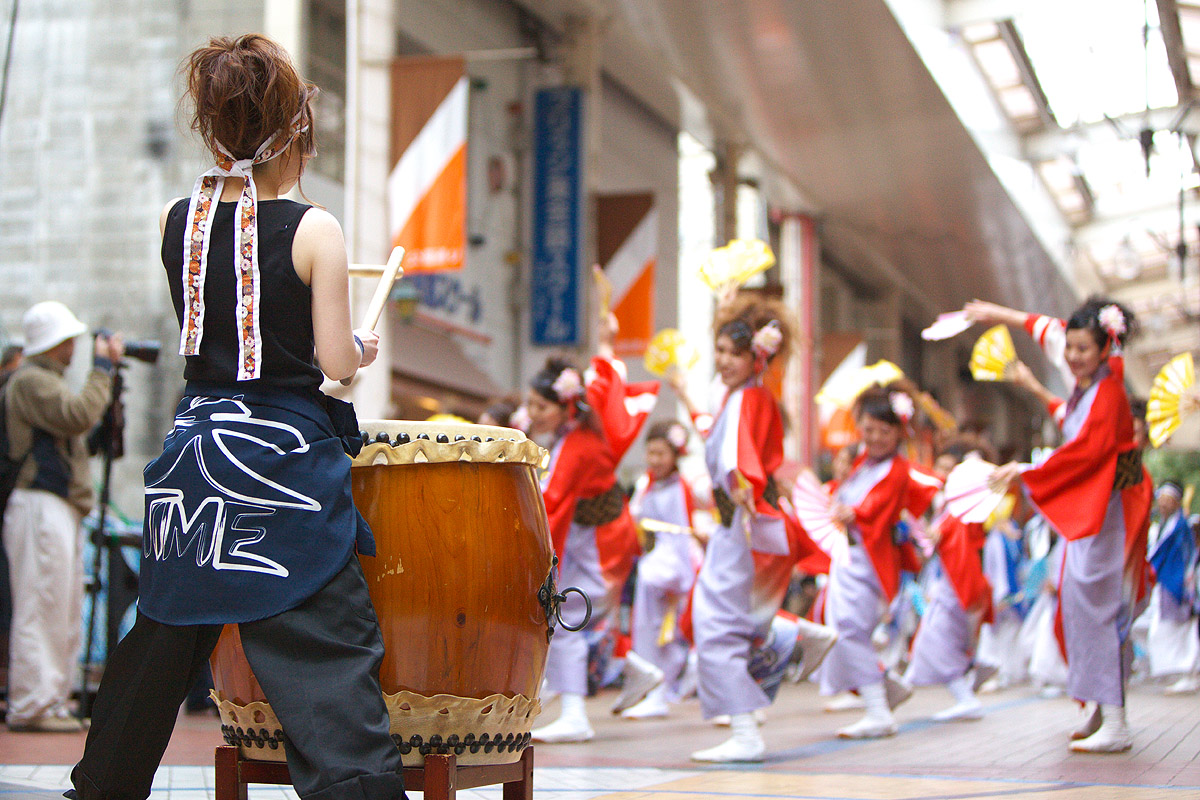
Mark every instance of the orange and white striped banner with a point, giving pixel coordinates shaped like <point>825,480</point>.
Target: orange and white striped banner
<point>427,189</point>
<point>627,248</point>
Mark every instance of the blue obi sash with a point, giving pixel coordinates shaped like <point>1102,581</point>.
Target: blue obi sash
<point>248,511</point>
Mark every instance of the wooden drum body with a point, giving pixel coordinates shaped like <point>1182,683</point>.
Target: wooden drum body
<point>461,585</point>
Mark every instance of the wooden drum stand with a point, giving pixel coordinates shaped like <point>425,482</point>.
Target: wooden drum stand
<point>439,779</point>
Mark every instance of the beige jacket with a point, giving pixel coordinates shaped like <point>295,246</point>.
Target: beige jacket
<point>38,397</point>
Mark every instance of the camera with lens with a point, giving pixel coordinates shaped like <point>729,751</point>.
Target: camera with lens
<point>145,350</point>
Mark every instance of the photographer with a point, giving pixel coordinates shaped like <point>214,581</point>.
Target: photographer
<point>47,426</point>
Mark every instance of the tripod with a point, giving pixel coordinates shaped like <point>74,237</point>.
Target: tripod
<point>107,440</point>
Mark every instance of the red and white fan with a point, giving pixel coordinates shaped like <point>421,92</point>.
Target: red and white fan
<point>968,493</point>
<point>813,505</point>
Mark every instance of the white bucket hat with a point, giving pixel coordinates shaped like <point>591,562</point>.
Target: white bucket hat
<point>49,324</point>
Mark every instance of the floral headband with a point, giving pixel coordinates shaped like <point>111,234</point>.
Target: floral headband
<point>245,249</point>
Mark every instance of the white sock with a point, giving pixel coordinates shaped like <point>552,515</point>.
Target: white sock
<point>573,707</point>
<point>960,689</point>
<point>745,728</point>
<point>875,698</point>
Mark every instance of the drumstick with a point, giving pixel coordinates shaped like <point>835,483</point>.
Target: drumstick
<point>391,273</point>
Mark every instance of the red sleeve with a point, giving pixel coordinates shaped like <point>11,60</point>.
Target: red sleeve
<point>960,547</point>
<point>1072,487</point>
<point>584,468</point>
<point>760,442</point>
<point>622,407</point>
<point>875,518</point>
<point>923,486</point>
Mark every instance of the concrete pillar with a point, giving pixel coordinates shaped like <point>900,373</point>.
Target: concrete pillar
<point>799,262</point>
<point>725,189</point>
<point>584,35</point>
<point>370,46</point>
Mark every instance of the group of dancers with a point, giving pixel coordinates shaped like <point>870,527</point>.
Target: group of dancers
<point>1091,493</point>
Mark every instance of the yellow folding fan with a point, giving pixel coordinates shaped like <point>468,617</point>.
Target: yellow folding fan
<point>669,349</point>
<point>993,355</point>
<point>736,263</point>
<point>1170,399</point>
<point>842,393</point>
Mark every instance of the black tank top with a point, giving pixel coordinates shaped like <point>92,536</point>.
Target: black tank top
<point>287,356</point>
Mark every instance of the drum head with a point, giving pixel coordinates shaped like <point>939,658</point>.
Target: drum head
<point>398,442</point>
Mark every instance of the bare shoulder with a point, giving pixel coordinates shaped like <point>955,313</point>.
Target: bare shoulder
<point>162,218</point>
<point>318,247</point>
<point>317,224</point>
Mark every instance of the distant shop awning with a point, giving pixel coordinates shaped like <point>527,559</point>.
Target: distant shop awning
<point>434,358</point>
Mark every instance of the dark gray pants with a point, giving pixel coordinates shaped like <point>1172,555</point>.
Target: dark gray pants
<point>318,665</point>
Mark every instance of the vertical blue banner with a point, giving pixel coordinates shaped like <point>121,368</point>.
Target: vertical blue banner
<point>558,149</point>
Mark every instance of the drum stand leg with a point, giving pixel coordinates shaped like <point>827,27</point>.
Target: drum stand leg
<point>439,779</point>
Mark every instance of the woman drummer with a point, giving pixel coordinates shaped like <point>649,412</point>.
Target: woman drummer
<point>249,517</point>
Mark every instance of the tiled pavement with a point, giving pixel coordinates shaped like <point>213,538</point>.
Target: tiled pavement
<point>1017,752</point>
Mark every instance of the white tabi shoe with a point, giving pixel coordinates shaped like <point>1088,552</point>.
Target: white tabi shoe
<point>846,701</point>
<point>572,726</point>
<point>1113,736</point>
<point>966,705</point>
<point>654,706</point>
<point>1188,684</point>
<point>724,720</point>
<point>961,711</point>
<point>746,744</point>
<point>640,676</point>
<point>1091,723</point>
<point>868,728</point>
<point>877,722</point>
<point>814,643</point>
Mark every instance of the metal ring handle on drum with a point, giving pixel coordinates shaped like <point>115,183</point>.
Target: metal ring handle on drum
<point>561,598</point>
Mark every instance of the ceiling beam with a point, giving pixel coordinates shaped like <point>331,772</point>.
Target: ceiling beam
<point>1054,142</point>
<point>960,13</point>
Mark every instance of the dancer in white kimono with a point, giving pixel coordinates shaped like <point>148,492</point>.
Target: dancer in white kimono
<point>663,505</point>
<point>1172,641</point>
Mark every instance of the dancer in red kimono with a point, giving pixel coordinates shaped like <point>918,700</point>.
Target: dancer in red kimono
<point>751,555</point>
<point>1094,491</point>
<point>586,428</point>
<point>862,584</point>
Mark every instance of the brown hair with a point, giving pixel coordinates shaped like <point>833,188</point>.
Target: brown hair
<point>754,312</point>
<point>246,90</point>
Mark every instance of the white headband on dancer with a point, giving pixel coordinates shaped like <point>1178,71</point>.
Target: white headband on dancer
<point>1170,490</point>
<point>245,251</point>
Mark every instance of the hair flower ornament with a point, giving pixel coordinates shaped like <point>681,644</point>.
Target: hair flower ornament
<point>766,340</point>
<point>520,419</point>
<point>902,405</point>
<point>1112,319</point>
<point>677,437</point>
<point>568,386</point>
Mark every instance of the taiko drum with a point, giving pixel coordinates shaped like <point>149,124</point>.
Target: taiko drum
<point>461,586</point>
